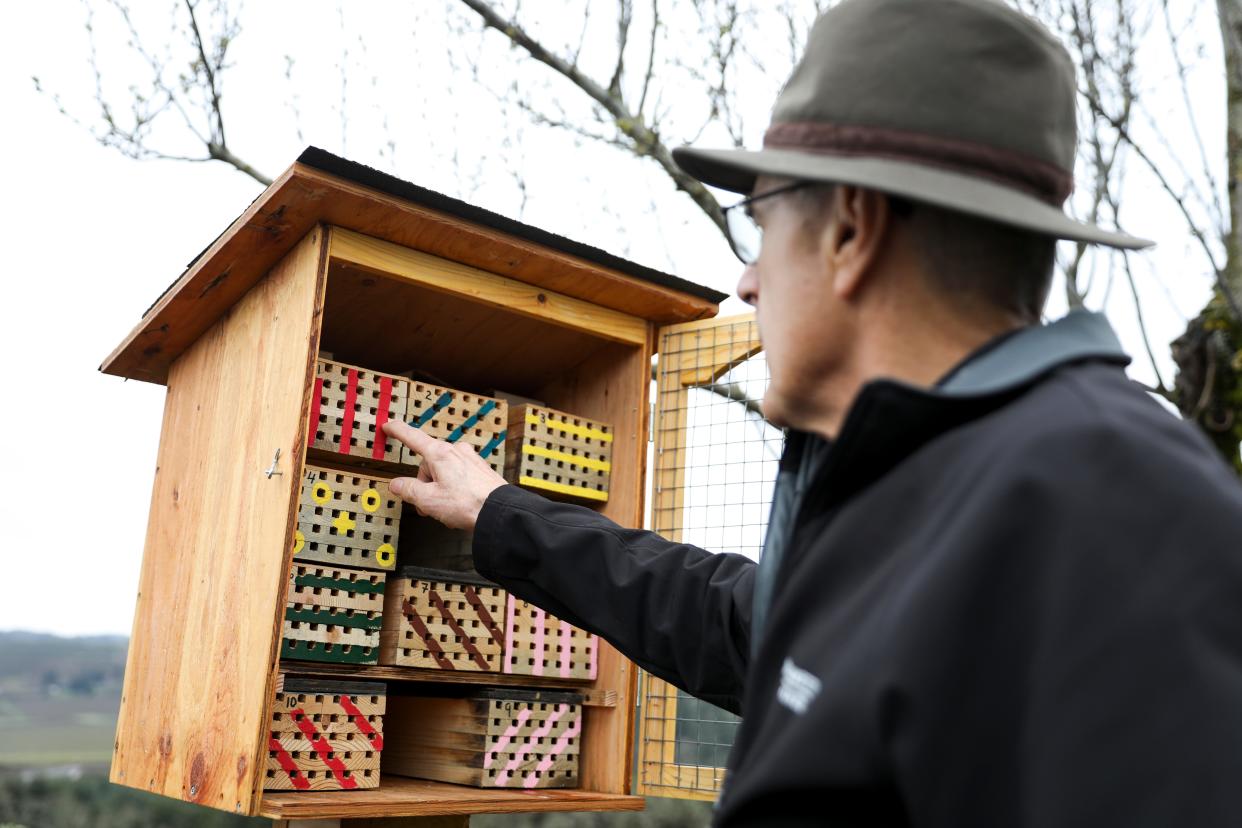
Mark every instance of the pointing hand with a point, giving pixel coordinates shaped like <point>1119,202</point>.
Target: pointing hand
<point>453,480</point>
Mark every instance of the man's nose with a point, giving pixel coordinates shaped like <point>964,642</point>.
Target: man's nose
<point>748,286</point>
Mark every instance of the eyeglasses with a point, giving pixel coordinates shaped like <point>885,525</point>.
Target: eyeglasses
<point>744,234</point>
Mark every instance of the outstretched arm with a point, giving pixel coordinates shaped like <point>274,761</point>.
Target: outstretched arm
<point>678,611</point>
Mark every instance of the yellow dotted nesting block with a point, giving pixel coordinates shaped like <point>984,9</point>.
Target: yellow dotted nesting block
<point>347,519</point>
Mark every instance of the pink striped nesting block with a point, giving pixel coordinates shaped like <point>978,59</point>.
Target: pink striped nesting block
<point>501,738</point>
<point>538,643</point>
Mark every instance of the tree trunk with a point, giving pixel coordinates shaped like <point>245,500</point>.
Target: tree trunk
<point>1231,37</point>
<point>1208,387</point>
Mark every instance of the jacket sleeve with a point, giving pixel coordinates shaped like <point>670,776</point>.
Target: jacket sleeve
<point>678,611</point>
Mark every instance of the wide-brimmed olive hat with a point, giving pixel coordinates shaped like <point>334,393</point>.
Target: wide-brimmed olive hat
<point>965,104</point>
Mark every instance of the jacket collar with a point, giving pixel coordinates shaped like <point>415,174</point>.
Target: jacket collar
<point>890,420</point>
<point>1025,356</point>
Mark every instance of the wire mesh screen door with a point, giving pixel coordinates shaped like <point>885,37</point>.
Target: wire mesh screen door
<point>715,465</point>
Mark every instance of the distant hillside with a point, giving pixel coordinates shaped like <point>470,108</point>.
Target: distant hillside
<point>58,698</point>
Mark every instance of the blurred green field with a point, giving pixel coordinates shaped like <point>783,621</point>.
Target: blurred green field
<point>58,698</point>
<point>58,730</point>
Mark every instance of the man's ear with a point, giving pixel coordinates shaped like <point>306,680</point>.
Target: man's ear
<point>855,235</point>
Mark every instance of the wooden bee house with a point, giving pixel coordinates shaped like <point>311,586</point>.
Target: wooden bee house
<point>559,454</point>
<point>442,620</point>
<point>491,739</point>
<point>395,282</point>
<point>325,735</point>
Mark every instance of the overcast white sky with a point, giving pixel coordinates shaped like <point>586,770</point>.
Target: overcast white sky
<point>91,238</point>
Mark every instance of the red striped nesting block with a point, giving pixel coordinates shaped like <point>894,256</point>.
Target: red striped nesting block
<point>442,621</point>
<point>325,735</point>
<point>349,406</point>
<point>538,643</point>
<point>501,738</point>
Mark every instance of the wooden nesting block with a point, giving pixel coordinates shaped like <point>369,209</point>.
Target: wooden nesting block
<point>325,736</point>
<point>436,619</point>
<point>457,416</point>
<point>333,615</point>
<point>538,643</point>
<point>349,406</point>
<point>558,454</point>
<point>346,519</point>
<point>494,739</point>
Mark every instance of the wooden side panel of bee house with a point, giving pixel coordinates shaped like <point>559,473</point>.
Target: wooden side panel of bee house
<point>199,670</point>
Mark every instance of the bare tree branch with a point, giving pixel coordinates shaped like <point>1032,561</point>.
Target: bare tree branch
<point>217,119</point>
<point>644,141</point>
<point>625,15</point>
<point>651,53</point>
<point>1193,226</point>
<point>736,393</point>
<point>204,120</point>
<point>1215,204</point>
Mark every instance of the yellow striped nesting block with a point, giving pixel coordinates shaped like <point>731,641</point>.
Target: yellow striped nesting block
<point>558,454</point>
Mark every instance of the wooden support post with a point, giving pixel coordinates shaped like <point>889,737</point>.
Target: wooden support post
<point>397,822</point>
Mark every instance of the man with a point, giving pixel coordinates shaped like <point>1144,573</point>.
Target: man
<point>1001,586</point>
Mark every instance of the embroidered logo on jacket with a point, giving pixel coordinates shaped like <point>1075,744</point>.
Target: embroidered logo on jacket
<point>798,687</point>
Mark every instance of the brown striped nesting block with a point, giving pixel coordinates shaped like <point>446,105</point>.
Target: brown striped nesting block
<point>333,614</point>
<point>349,406</point>
<point>558,454</point>
<point>503,738</point>
<point>325,735</point>
<point>346,519</point>
<point>458,417</point>
<point>442,620</point>
<point>538,643</point>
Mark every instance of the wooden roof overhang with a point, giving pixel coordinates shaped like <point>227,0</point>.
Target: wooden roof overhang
<point>320,188</point>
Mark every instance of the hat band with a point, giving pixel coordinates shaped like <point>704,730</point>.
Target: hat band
<point>1044,181</point>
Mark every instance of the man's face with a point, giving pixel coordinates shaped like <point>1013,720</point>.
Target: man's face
<point>804,326</point>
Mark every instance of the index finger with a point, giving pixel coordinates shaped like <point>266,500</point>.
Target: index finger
<point>417,441</point>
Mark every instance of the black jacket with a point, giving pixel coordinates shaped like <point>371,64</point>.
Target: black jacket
<point>1015,600</point>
